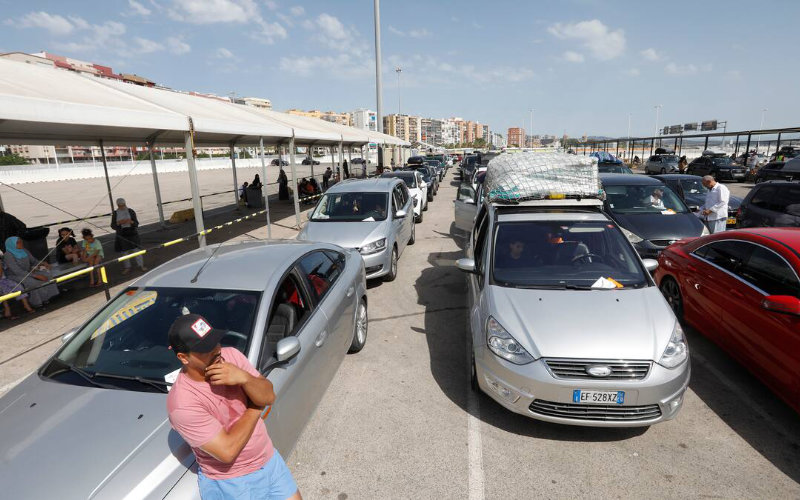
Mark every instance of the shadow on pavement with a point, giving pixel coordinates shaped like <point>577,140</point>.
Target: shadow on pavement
<point>746,405</point>
<point>441,289</point>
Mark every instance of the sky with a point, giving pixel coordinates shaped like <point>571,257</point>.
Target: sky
<point>583,66</point>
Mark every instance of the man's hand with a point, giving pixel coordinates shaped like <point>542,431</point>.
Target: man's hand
<point>223,373</point>
<point>706,212</point>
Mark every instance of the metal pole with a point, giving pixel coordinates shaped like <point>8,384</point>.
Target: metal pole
<point>341,157</point>
<point>378,85</point>
<point>264,182</point>
<point>235,177</point>
<point>198,210</point>
<point>333,164</point>
<point>105,169</point>
<point>350,156</point>
<point>364,164</point>
<point>706,144</point>
<point>736,148</point>
<point>294,181</point>
<point>747,148</point>
<point>652,143</point>
<point>157,188</point>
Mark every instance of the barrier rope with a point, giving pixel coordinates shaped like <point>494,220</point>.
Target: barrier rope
<point>101,266</point>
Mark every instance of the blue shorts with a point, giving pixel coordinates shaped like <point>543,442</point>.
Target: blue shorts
<point>273,481</point>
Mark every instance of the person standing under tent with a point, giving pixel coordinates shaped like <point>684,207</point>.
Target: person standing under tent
<point>283,186</point>
<point>125,223</point>
<point>346,169</point>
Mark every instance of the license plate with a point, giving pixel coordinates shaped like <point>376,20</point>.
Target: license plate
<point>598,397</point>
<point>731,221</point>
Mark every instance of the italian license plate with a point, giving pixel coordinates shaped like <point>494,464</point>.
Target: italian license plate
<point>731,220</point>
<point>598,397</point>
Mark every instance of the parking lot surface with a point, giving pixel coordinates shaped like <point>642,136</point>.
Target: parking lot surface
<point>399,420</point>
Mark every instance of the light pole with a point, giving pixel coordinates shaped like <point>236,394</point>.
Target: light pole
<point>378,86</point>
<point>658,110</point>
<point>761,127</point>
<point>398,70</point>
<point>531,127</point>
<point>628,142</point>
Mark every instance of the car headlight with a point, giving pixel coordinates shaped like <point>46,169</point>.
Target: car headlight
<point>632,237</point>
<point>677,350</point>
<point>374,247</point>
<point>504,345</point>
<point>705,231</point>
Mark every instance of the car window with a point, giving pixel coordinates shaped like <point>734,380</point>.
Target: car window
<point>320,273</point>
<point>769,272</point>
<point>290,308</point>
<point>397,199</point>
<point>405,195</point>
<point>480,246</point>
<point>350,207</point>
<point>633,199</point>
<point>129,336</point>
<point>729,255</point>
<point>693,186</point>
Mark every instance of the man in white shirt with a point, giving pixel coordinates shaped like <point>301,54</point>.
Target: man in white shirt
<point>715,208</point>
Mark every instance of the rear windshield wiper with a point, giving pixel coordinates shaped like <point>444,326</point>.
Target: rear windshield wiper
<point>161,385</point>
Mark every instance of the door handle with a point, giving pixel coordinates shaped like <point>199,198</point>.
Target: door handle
<point>350,291</point>
<point>321,338</point>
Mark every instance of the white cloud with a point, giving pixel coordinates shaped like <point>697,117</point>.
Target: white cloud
<point>268,32</point>
<point>55,24</point>
<point>177,46</point>
<point>145,46</point>
<point>287,20</point>
<point>271,5</point>
<point>214,11</point>
<point>333,34</point>
<point>594,36</point>
<point>342,66</point>
<point>396,31</point>
<point>223,53</point>
<point>420,33</point>
<point>297,11</point>
<point>632,72</point>
<point>79,23</point>
<point>574,57</point>
<point>107,36</point>
<point>426,70</point>
<point>686,69</point>
<point>650,54</point>
<point>139,8</point>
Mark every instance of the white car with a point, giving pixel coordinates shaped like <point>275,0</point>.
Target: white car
<point>416,186</point>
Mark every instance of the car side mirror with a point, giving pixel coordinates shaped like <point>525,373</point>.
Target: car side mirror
<point>287,349</point>
<point>782,304</point>
<point>400,214</point>
<point>466,265</point>
<point>650,264</point>
<point>68,335</point>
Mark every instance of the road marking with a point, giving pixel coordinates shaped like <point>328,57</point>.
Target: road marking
<point>474,444</point>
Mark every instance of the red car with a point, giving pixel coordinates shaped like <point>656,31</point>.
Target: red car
<point>741,289</point>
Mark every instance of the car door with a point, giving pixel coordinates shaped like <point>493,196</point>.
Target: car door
<point>477,250</point>
<point>465,207</point>
<point>767,341</point>
<point>710,279</point>
<point>298,384</point>
<point>399,224</point>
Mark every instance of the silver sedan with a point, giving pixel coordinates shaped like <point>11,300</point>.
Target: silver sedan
<point>92,421</point>
<point>373,216</point>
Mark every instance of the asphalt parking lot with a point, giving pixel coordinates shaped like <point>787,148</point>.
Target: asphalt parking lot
<point>399,420</point>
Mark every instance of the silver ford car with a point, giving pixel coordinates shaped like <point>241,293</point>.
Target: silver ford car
<point>92,421</point>
<point>373,216</point>
<point>566,324</point>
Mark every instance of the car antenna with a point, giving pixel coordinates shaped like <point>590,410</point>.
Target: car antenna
<point>197,275</point>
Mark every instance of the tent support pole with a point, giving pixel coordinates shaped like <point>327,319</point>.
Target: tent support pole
<point>333,165</point>
<point>294,182</point>
<point>198,210</point>
<point>235,178</point>
<point>341,157</point>
<point>156,186</point>
<point>350,156</point>
<point>264,182</point>
<point>105,170</point>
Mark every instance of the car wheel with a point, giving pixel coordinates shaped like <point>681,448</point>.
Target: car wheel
<point>360,330</point>
<point>413,237</point>
<point>672,292</point>
<point>392,267</point>
<point>430,198</point>
<point>473,373</point>
<point>419,219</point>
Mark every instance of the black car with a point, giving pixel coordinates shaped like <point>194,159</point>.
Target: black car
<point>468,166</point>
<point>651,220</point>
<point>427,176</point>
<point>771,204</point>
<point>415,160</point>
<point>309,161</point>
<point>437,166</point>
<point>720,166</point>
<point>279,162</point>
<point>692,191</point>
<point>613,168</point>
<point>779,171</point>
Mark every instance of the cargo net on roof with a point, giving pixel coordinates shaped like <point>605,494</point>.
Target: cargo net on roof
<point>525,176</point>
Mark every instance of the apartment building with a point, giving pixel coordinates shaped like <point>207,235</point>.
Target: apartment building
<point>516,137</point>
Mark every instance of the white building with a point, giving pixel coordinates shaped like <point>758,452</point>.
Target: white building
<point>258,102</point>
<point>497,140</point>
<point>365,119</point>
<point>450,133</point>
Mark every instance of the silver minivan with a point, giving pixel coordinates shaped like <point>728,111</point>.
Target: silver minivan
<point>565,323</point>
<point>373,216</point>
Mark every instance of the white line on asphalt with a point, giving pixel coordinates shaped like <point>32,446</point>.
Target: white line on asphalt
<point>474,445</point>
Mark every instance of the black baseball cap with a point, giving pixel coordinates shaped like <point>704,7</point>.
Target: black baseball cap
<point>193,333</point>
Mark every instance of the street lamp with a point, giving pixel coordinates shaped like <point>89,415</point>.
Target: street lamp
<point>761,127</point>
<point>658,110</point>
<point>398,70</point>
<point>531,127</point>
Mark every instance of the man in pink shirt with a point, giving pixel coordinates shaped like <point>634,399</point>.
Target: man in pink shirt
<point>216,405</point>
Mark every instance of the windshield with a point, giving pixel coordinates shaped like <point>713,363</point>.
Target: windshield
<point>550,254</point>
<point>643,199</point>
<point>410,180</point>
<point>611,168</point>
<point>721,161</point>
<point>351,207</point>
<point>669,158</point>
<point>128,338</point>
<point>693,186</point>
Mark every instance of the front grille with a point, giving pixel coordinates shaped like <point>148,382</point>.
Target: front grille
<point>600,413</point>
<point>663,243</point>
<point>576,369</point>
